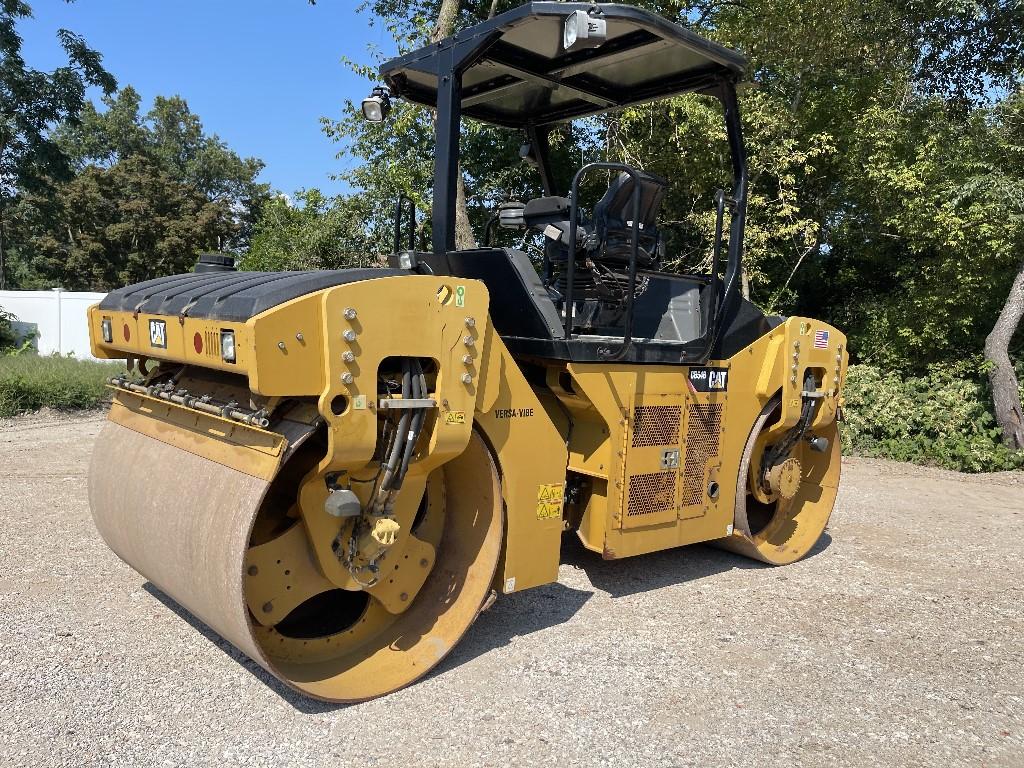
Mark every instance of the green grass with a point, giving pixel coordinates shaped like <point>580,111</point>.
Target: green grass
<point>29,382</point>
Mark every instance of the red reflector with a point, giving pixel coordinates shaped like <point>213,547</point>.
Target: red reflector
<point>197,342</point>
<point>127,333</point>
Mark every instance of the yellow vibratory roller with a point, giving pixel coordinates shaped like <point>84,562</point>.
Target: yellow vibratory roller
<point>337,471</point>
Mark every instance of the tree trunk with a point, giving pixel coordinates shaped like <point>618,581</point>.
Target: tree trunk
<point>3,265</point>
<point>1005,390</point>
<point>464,238</point>
<point>3,246</point>
<point>446,16</point>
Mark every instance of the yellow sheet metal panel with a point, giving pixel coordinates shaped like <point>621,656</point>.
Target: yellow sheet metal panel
<point>651,485</point>
<point>194,341</point>
<point>532,456</point>
<point>698,513</point>
<point>405,316</point>
<point>96,346</point>
<point>595,517</point>
<point>248,450</point>
<point>779,362</point>
<point>288,349</point>
<point>362,324</point>
<point>598,448</point>
<point>715,427</point>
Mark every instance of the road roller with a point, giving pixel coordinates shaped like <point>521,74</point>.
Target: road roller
<point>337,471</point>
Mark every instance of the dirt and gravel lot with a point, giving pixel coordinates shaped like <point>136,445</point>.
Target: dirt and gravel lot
<point>898,643</point>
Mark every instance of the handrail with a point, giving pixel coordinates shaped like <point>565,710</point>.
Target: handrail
<point>716,250</point>
<point>489,229</point>
<point>570,275</point>
<point>716,260</point>
<point>399,210</point>
<point>738,208</point>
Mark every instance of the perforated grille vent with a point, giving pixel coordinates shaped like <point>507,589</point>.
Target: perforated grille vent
<point>703,429</point>
<point>212,344</point>
<point>651,492</point>
<point>656,425</point>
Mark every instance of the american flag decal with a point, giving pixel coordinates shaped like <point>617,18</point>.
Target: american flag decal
<point>821,339</point>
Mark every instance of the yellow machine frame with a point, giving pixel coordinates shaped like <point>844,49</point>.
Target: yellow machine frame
<point>633,503</point>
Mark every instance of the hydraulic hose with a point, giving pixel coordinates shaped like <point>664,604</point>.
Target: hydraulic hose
<point>419,391</point>
<point>401,436</point>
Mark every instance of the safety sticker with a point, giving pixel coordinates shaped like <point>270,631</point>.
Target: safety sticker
<point>359,402</point>
<point>460,296</point>
<point>549,501</point>
<point>455,417</point>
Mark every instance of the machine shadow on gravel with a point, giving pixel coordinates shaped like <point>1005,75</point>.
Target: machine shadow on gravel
<point>643,573</point>
<point>511,616</point>
<point>526,612</point>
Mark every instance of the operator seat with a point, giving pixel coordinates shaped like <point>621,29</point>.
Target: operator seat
<point>607,238</point>
<point>613,220</point>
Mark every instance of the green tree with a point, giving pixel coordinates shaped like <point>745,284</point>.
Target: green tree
<point>31,103</point>
<point>884,143</point>
<point>152,191</point>
<point>123,224</point>
<point>318,233</point>
<point>170,137</point>
<point>7,338</point>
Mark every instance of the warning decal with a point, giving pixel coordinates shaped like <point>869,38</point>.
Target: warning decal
<point>549,501</point>
<point>455,417</point>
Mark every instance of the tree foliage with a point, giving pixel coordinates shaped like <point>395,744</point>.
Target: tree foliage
<point>941,417</point>
<point>313,232</point>
<point>169,137</point>
<point>7,337</point>
<point>150,192</point>
<point>885,145</point>
<point>32,102</point>
<point>840,88</point>
<point>885,157</point>
<point>123,224</point>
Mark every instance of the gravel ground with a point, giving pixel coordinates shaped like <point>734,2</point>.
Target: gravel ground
<point>897,643</point>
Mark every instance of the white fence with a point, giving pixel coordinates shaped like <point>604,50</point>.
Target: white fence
<point>57,318</point>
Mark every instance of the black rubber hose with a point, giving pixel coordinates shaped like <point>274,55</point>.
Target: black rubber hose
<point>419,391</point>
<point>401,434</point>
<point>783,448</point>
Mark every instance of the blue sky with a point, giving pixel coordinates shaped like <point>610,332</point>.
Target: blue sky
<point>260,73</point>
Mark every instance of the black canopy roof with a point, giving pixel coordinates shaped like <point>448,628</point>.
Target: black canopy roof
<point>525,77</point>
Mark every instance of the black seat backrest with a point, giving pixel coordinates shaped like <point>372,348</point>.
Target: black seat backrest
<point>613,220</point>
<point>614,212</point>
